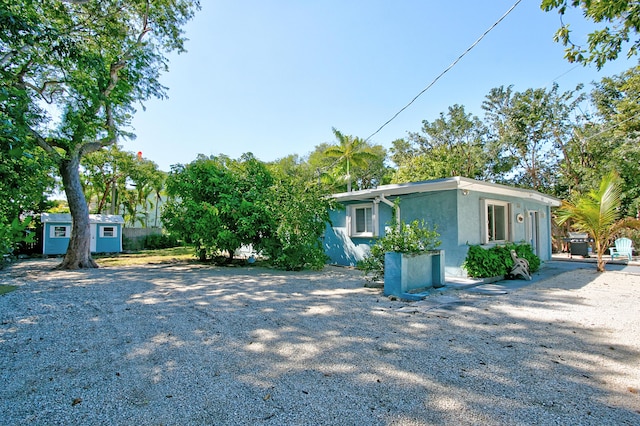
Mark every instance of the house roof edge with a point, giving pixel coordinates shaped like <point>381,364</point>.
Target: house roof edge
<point>456,182</point>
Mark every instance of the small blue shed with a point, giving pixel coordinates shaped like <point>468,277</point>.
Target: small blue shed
<point>106,233</point>
<point>465,212</point>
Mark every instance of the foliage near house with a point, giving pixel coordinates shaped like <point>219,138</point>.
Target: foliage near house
<point>413,238</point>
<point>218,205</point>
<point>597,213</point>
<point>13,233</point>
<point>496,261</point>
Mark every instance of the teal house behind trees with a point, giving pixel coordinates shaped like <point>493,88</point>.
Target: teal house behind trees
<point>106,233</point>
<point>465,212</point>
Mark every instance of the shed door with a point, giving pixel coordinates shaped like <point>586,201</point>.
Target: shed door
<point>94,231</point>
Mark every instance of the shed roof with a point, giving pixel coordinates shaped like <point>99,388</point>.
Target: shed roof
<point>457,182</point>
<point>93,218</point>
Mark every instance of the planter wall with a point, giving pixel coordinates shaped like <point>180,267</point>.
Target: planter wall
<point>406,272</point>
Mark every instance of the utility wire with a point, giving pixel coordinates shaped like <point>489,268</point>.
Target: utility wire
<point>563,74</point>
<point>446,70</point>
<point>611,127</point>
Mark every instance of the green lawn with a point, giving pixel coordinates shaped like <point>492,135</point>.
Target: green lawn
<point>143,257</point>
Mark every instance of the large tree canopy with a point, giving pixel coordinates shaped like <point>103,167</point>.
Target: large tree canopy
<point>619,22</point>
<point>73,71</point>
<point>218,204</point>
<point>451,145</point>
<point>529,129</point>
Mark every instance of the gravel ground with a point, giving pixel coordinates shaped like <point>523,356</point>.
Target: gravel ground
<point>199,345</point>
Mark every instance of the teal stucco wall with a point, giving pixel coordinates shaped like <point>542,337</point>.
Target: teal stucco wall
<point>58,246</point>
<point>52,245</point>
<point>109,244</point>
<point>457,216</point>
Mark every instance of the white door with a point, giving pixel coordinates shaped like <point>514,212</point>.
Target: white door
<point>94,231</point>
<point>533,233</point>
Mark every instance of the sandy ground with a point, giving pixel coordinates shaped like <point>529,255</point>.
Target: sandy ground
<point>199,345</point>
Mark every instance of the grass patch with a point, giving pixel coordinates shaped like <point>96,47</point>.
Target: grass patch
<point>4,289</point>
<point>144,257</point>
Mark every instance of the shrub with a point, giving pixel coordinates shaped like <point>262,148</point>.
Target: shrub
<point>11,234</point>
<point>496,261</point>
<point>415,237</point>
<point>160,241</point>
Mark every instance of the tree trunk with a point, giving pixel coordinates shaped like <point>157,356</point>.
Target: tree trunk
<point>79,251</point>
<point>601,262</point>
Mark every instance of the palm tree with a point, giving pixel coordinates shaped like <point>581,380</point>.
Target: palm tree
<point>351,150</point>
<point>597,213</point>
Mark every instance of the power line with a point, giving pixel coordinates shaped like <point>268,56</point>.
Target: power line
<point>611,127</point>
<point>446,70</point>
<point>563,74</point>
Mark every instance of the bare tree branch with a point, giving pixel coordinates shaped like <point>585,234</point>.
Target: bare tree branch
<point>41,90</point>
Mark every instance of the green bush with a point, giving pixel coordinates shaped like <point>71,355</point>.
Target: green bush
<point>160,241</point>
<point>11,234</point>
<point>496,261</point>
<point>415,237</point>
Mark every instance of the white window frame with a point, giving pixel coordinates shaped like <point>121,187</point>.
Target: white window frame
<point>102,233</point>
<point>508,232</point>
<point>351,220</point>
<point>54,228</point>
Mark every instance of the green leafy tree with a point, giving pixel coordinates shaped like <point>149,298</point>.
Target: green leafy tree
<point>300,211</point>
<point>597,213</point>
<point>91,62</point>
<point>375,171</point>
<point>606,141</point>
<point>350,151</point>
<point>146,178</point>
<point>122,183</point>
<point>218,204</point>
<point>25,181</point>
<point>619,26</point>
<point>451,145</point>
<point>527,129</point>
<point>104,174</point>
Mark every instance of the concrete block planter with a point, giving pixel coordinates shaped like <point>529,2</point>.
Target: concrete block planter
<point>404,273</point>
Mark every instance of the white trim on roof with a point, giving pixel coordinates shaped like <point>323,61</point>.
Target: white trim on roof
<point>93,218</point>
<point>457,182</point>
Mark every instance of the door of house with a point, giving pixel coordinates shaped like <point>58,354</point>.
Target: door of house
<point>533,231</point>
<point>94,231</point>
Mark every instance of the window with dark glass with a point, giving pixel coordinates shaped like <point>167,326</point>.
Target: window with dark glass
<point>364,220</point>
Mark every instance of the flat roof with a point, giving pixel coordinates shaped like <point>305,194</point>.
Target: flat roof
<point>456,182</point>
<point>93,218</point>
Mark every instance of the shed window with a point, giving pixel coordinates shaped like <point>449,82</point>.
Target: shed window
<point>108,232</point>
<point>496,218</point>
<point>363,220</point>
<point>59,231</point>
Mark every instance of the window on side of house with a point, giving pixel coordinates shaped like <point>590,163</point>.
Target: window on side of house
<point>496,217</point>
<point>108,232</point>
<point>363,220</point>
<point>60,231</point>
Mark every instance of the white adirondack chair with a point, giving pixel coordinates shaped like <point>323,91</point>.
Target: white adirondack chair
<point>623,247</point>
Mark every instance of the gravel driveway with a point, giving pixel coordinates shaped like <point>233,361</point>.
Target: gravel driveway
<point>201,345</point>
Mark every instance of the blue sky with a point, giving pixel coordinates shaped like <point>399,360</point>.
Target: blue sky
<point>272,77</point>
